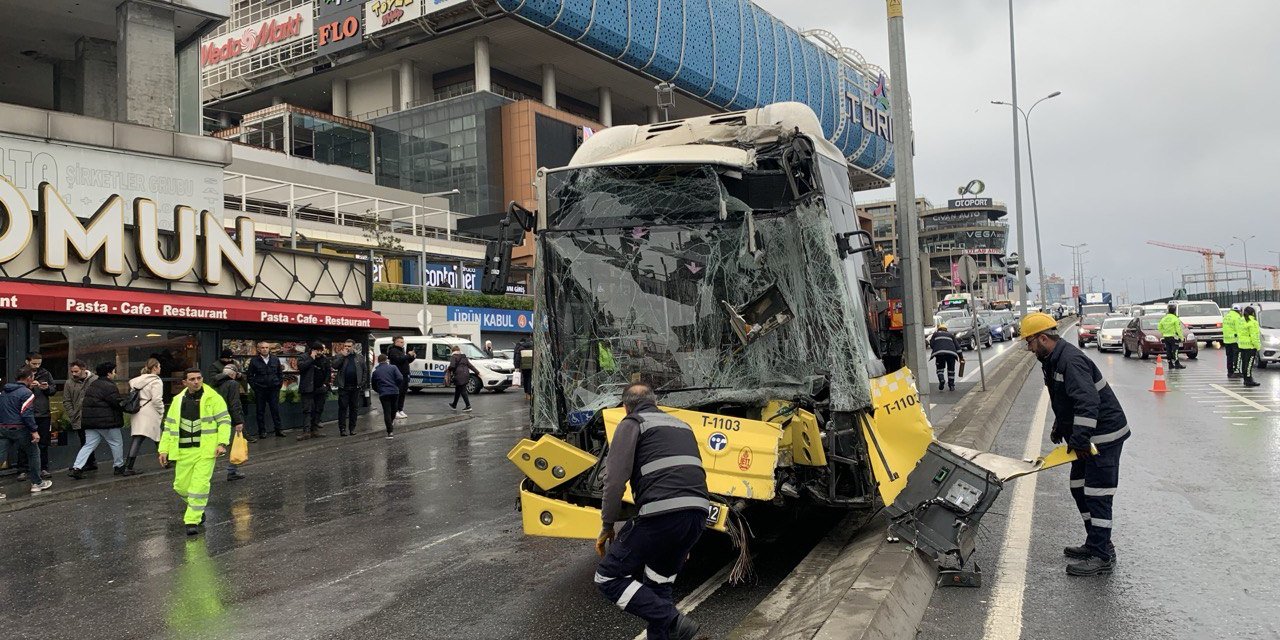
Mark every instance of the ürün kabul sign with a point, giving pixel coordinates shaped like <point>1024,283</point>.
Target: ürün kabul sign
<point>200,239</point>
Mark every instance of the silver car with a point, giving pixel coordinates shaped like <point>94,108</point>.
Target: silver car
<point>1111,334</point>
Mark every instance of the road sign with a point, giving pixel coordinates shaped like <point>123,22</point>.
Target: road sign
<point>968,268</point>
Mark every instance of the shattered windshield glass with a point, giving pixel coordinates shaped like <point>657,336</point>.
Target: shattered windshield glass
<point>643,271</point>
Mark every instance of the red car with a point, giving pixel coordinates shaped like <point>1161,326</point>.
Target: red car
<point>1143,338</point>
<point>1089,327</point>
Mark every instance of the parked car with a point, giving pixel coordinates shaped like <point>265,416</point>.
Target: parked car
<point>1089,330</point>
<point>1269,327</point>
<point>1144,338</point>
<point>961,324</point>
<point>1111,334</point>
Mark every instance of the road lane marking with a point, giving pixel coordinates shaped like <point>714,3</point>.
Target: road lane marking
<point>1004,618</point>
<point>985,362</point>
<point>1240,398</point>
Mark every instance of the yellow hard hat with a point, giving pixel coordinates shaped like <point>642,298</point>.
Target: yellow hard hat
<point>942,327</point>
<point>1037,322</point>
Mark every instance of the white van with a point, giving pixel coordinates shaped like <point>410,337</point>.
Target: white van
<point>433,357</point>
<point>1202,317</point>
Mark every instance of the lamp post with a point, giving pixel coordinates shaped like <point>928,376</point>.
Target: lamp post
<point>1017,164</point>
<point>1244,244</point>
<point>666,94</point>
<point>1031,164</point>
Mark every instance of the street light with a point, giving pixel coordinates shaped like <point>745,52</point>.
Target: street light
<point>1017,161</point>
<point>666,98</point>
<point>1244,244</point>
<point>1031,164</point>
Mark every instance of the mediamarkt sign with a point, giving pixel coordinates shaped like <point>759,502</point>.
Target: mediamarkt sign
<point>272,32</point>
<point>199,242</point>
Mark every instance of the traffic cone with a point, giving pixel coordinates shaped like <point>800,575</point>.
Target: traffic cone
<point>1158,386</point>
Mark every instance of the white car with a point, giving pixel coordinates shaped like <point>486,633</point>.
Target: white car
<point>1111,334</point>
<point>1204,317</point>
<point>1269,328</point>
<point>433,357</point>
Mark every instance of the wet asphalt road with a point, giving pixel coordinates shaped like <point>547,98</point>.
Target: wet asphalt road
<point>1195,521</point>
<point>412,537</point>
<point>940,402</point>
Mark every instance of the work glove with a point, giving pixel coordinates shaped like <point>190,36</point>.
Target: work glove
<point>606,536</point>
<point>1058,434</point>
<point>1081,446</point>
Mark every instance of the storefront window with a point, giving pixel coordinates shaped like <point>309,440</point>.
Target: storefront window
<point>128,348</point>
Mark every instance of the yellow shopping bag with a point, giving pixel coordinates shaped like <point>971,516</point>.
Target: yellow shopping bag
<point>239,449</point>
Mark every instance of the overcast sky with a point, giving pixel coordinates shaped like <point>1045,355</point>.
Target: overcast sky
<point>1168,126</point>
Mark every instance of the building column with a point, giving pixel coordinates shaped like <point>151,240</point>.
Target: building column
<point>549,85</point>
<point>338,97</point>
<point>408,76</point>
<point>484,81</point>
<point>94,73</point>
<point>653,115</point>
<point>147,69</point>
<point>606,107</point>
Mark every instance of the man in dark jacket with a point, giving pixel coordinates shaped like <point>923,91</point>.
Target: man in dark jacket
<point>73,398</point>
<point>386,381</point>
<point>1086,414</point>
<point>945,350</point>
<point>459,371</point>
<point>400,359</point>
<point>350,377</point>
<point>226,382</point>
<point>523,359</point>
<point>44,388</point>
<point>102,417</point>
<point>265,375</point>
<point>659,456</point>
<point>313,384</point>
<point>18,425</point>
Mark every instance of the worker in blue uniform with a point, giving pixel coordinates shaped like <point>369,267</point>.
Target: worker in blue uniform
<point>945,351</point>
<point>658,454</point>
<point>1086,415</point>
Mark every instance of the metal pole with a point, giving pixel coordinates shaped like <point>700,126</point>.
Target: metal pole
<point>904,181</point>
<point>293,220</point>
<point>982,369</point>
<point>1017,168</point>
<point>422,273</point>
<point>1035,205</point>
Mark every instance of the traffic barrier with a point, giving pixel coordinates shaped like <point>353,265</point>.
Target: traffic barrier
<point>1158,386</point>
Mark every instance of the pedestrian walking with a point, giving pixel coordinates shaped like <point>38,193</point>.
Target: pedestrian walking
<point>524,362</point>
<point>945,351</point>
<point>102,416</point>
<point>265,375</point>
<point>78,380</point>
<point>657,454</point>
<point>400,359</point>
<point>351,377</point>
<point>227,384</point>
<point>313,384</point>
<point>18,425</point>
<point>1250,341</point>
<point>386,381</point>
<point>1086,414</point>
<point>43,386</point>
<point>1230,331</point>
<point>1170,328</point>
<point>146,423</point>
<point>458,373</point>
<point>197,431</point>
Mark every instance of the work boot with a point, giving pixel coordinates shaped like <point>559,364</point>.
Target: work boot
<point>193,529</point>
<point>1081,553</point>
<point>1249,382</point>
<point>1091,566</point>
<point>952,385</point>
<point>939,385</point>
<point>683,628</point>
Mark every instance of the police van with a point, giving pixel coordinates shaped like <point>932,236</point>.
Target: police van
<point>433,353</point>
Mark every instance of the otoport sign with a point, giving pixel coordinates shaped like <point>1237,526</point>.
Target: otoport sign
<point>340,31</point>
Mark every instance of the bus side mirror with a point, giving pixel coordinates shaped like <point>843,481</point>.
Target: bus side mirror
<point>846,247</point>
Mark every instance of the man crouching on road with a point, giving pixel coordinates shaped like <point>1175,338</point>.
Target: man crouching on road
<point>197,430</point>
<point>1085,412</point>
<point>658,454</point>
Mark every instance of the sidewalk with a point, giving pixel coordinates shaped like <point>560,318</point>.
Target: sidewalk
<point>368,426</point>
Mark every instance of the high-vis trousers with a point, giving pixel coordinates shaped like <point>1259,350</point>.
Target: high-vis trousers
<point>1245,360</point>
<point>1093,485</point>
<point>191,480</point>
<point>640,568</point>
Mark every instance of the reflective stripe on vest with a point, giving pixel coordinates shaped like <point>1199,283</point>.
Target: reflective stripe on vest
<point>651,420</point>
<point>670,461</point>
<point>672,504</point>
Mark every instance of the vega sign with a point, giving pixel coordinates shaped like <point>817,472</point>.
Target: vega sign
<point>274,31</point>
<point>199,241</point>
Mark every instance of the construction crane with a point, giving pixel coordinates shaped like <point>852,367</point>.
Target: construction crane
<point>1207,253</point>
<point>1274,270</point>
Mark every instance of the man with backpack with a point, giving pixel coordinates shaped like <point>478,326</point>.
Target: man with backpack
<point>102,416</point>
<point>18,425</point>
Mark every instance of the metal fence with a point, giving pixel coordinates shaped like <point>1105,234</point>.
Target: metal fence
<point>1227,298</point>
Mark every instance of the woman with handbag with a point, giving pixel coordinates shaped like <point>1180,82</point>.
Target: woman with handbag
<point>459,372</point>
<point>101,417</point>
<point>146,423</point>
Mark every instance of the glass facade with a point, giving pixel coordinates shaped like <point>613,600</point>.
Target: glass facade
<point>128,347</point>
<point>451,144</point>
<point>309,135</point>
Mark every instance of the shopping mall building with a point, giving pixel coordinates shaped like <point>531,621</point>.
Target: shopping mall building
<point>202,174</point>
